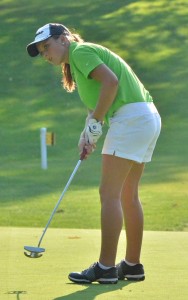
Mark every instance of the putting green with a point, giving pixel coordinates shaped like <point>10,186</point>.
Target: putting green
<point>164,256</point>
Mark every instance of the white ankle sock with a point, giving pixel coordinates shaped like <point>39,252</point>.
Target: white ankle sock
<point>103,267</point>
<point>129,264</point>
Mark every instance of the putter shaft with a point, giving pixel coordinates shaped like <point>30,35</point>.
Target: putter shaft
<point>60,199</point>
<point>35,252</point>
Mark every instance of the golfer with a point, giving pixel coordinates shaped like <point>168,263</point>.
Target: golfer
<point>114,95</point>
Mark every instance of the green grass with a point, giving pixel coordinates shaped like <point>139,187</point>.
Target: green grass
<point>152,37</point>
<point>30,279</point>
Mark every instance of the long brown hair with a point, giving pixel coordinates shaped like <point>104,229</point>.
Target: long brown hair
<point>67,80</point>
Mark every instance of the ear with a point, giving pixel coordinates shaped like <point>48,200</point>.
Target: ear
<point>63,38</point>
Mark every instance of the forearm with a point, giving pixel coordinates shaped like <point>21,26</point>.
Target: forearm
<point>109,87</point>
<point>89,116</point>
<point>107,95</point>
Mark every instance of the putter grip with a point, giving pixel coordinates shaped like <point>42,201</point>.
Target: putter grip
<point>83,154</point>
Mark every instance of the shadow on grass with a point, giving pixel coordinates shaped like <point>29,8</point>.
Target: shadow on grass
<point>93,290</point>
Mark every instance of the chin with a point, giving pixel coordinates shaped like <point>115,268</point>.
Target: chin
<point>56,63</point>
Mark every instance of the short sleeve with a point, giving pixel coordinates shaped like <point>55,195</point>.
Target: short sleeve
<point>86,59</point>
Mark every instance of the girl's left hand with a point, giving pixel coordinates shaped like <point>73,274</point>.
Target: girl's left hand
<point>93,131</point>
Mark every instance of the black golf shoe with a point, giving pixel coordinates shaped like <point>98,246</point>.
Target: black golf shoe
<point>95,273</point>
<point>125,271</point>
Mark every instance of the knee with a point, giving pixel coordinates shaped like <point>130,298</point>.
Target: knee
<point>103,193</point>
<point>108,194</point>
<point>130,195</point>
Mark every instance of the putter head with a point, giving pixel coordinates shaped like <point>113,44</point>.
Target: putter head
<point>34,252</point>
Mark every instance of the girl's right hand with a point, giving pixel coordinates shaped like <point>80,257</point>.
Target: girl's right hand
<point>83,144</point>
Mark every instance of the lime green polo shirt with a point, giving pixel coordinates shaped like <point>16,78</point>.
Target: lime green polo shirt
<point>85,57</point>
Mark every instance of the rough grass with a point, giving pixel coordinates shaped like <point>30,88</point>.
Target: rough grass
<point>152,37</point>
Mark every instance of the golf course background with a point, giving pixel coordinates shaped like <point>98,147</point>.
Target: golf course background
<point>152,37</point>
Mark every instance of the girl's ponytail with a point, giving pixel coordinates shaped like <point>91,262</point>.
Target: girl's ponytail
<point>67,80</point>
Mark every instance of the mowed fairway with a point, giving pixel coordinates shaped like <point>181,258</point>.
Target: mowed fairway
<point>164,256</point>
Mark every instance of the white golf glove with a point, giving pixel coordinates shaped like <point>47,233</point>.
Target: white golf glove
<point>93,131</point>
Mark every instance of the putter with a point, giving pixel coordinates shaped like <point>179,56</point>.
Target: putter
<point>36,252</point>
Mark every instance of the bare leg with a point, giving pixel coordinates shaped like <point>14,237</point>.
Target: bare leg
<point>114,173</point>
<point>133,213</point>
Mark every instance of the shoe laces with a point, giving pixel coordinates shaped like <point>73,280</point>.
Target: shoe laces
<point>91,267</point>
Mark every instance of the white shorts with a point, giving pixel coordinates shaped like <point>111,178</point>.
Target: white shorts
<point>133,133</point>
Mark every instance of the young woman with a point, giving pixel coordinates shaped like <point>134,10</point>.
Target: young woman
<point>112,94</point>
